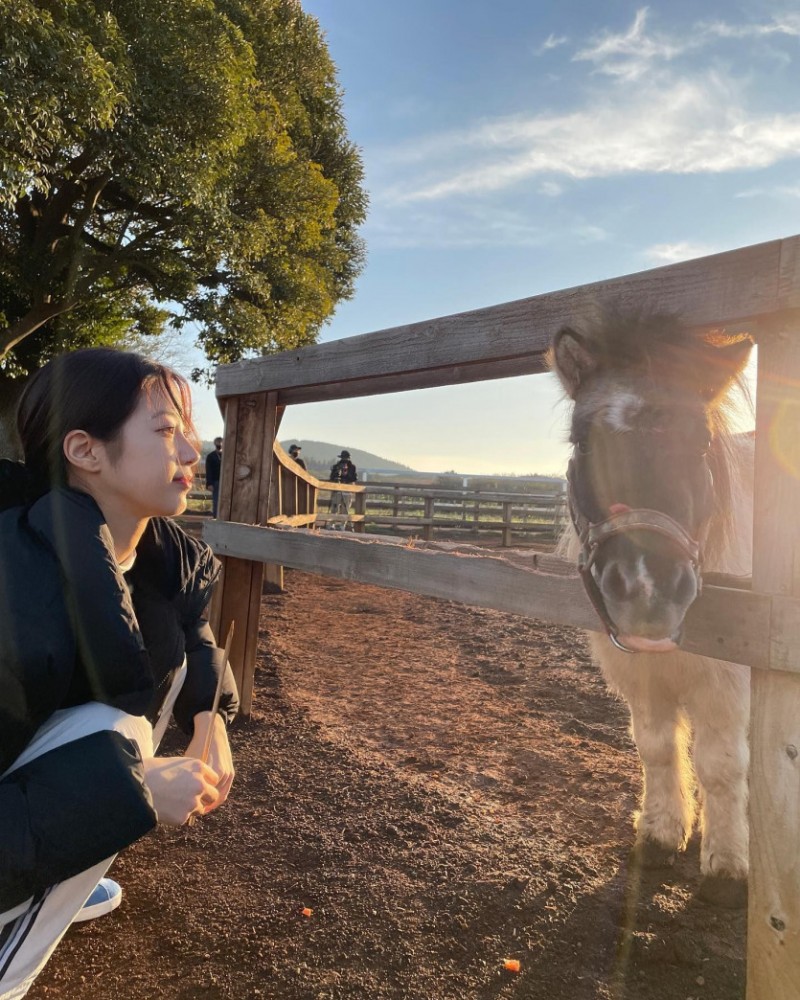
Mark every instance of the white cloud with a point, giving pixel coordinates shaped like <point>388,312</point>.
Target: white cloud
<point>784,24</point>
<point>631,54</point>
<point>446,189</point>
<point>780,191</point>
<point>551,42</point>
<point>671,253</point>
<point>693,126</point>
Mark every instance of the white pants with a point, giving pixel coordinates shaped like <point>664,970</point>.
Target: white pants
<point>30,932</point>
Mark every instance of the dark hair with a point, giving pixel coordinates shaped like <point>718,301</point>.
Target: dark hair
<point>94,390</point>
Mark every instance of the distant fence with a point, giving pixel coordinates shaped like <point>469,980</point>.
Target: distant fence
<point>423,511</point>
<point>516,517</point>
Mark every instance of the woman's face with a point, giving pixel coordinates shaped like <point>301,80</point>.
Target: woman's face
<point>149,467</point>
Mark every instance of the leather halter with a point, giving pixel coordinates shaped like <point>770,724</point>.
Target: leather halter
<point>592,535</point>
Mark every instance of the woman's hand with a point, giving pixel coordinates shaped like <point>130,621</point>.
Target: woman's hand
<point>180,788</point>
<point>219,753</point>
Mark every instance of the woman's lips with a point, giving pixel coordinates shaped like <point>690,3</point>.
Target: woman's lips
<point>183,482</point>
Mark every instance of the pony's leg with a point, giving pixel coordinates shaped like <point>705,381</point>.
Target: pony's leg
<point>665,819</point>
<point>666,816</point>
<point>720,710</point>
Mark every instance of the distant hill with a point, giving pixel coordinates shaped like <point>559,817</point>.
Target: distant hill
<point>322,455</point>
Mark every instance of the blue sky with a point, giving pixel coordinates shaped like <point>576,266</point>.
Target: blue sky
<point>517,147</point>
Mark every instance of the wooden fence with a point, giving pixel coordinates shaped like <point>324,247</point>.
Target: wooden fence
<point>755,289</point>
<point>302,501</point>
<point>514,516</point>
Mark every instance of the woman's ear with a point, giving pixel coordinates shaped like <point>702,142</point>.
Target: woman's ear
<point>82,451</point>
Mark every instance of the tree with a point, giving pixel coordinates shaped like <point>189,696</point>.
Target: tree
<point>170,161</point>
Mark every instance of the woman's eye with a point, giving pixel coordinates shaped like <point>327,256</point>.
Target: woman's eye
<point>167,430</point>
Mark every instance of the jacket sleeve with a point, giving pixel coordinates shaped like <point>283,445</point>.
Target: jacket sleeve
<point>67,810</point>
<point>204,663</point>
<point>195,571</point>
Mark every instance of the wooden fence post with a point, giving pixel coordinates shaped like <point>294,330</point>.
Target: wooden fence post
<point>773,953</point>
<point>506,524</point>
<point>427,529</point>
<point>251,423</point>
<point>360,508</point>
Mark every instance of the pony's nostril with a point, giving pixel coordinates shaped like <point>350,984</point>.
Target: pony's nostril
<point>685,589</point>
<point>615,587</point>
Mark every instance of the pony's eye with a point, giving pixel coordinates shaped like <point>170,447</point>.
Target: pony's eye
<point>582,447</point>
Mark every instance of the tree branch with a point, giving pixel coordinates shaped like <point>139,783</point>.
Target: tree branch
<point>30,322</point>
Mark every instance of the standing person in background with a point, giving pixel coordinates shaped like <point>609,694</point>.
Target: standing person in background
<point>343,471</point>
<point>213,467</point>
<point>294,454</point>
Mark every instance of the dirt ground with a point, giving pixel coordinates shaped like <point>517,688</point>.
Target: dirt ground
<point>443,788</point>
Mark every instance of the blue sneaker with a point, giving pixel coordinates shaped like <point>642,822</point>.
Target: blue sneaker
<point>105,897</point>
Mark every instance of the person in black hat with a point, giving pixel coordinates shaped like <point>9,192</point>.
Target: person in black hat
<point>294,454</point>
<point>343,471</point>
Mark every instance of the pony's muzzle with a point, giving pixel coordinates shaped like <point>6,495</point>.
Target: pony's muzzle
<point>646,593</point>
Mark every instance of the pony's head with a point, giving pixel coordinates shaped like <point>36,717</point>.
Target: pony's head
<point>648,470</point>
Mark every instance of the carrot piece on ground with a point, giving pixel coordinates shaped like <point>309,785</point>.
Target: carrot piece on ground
<point>511,964</point>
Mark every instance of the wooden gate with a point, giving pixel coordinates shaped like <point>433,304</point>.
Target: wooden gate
<point>755,289</point>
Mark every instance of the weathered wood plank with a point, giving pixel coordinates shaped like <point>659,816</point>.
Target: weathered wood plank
<point>725,623</point>
<point>728,288</point>
<point>271,469</point>
<point>328,487</point>
<point>250,429</point>
<point>294,520</point>
<point>230,414</point>
<point>773,951</point>
<point>291,466</point>
<point>789,282</point>
<point>530,364</point>
<point>228,465</point>
<point>784,649</point>
<point>773,956</point>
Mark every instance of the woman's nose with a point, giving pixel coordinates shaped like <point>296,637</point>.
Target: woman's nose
<point>188,454</point>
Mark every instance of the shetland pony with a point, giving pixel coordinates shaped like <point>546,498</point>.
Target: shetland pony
<point>661,491</point>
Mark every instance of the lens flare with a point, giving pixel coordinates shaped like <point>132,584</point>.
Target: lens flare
<point>784,439</point>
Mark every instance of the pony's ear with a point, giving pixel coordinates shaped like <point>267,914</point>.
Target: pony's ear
<point>723,362</point>
<point>571,359</point>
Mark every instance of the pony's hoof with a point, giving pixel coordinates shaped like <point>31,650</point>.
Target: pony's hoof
<point>653,856</point>
<point>724,891</point>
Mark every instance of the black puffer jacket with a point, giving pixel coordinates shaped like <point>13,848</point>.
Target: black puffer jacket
<point>70,633</point>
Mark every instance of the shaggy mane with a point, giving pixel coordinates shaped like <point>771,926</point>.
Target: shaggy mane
<point>660,346</point>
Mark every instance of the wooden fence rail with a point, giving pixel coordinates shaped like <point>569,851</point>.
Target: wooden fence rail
<point>757,289</point>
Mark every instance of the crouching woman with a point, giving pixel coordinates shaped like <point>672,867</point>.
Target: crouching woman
<point>103,632</point>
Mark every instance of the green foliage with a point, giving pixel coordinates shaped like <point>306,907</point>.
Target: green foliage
<point>181,161</point>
